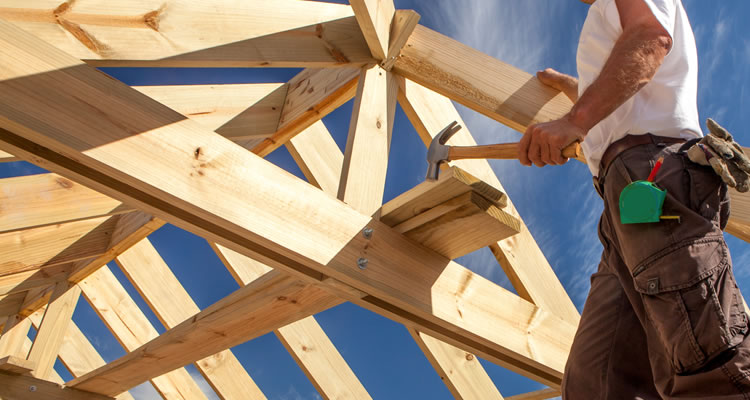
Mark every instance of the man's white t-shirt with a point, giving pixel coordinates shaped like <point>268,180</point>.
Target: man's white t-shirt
<point>666,106</point>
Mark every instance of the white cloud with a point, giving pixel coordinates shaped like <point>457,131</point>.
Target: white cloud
<point>145,391</point>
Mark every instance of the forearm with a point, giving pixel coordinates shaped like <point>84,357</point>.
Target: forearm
<point>633,62</point>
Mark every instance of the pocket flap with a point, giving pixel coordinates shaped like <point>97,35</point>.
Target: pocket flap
<point>680,267</point>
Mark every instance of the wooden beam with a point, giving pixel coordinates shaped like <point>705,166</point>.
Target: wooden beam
<point>50,199</point>
<point>478,81</point>
<point>16,366</point>
<point>537,395</point>
<point>520,256</point>
<point>55,322</point>
<point>44,277</point>
<point>172,304</point>
<point>271,301</point>
<point>11,304</point>
<point>739,218</point>
<point>320,360</point>
<point>402,278</point>
<point>312,94</point>
<point>20,387</point>
<point>7,157</point>
<point>54,376</point>
<point>182,33</point>
<point>77,354</point>
<point>14,332</point>
<point>237,112</point>
<point>374,18</point>
<point>454,216</point>
<point>318,156</point>
<point>132,329</point>
<point>459,370</point>
<point>404,22</point>
<point>366,158</point>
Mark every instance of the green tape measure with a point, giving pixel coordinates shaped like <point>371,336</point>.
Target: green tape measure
<point>641,202</point>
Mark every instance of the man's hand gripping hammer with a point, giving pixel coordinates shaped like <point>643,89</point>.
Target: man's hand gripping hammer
<point>439,152</point>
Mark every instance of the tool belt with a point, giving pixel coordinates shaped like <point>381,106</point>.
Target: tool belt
<point>628,142</point>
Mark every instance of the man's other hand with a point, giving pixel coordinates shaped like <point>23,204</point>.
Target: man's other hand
<point>562,82</point>
<point>542,144</point>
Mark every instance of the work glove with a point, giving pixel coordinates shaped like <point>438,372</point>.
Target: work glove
<point>719,150</point>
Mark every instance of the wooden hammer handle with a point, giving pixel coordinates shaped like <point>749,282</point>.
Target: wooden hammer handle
<point>503,151</point>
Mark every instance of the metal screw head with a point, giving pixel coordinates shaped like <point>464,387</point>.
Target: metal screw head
<point>32,388</point>
<point>362,263</point>
<point>367,233</point>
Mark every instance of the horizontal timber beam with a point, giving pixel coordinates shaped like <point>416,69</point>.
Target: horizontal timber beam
<point>184,33</point>
<point>261,204</point>
<point>478,81</point>
<point>21,387</point>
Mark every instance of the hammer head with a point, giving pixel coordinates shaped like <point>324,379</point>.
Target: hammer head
<point>438,150</point>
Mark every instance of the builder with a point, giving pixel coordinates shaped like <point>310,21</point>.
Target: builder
<point>664,317</point>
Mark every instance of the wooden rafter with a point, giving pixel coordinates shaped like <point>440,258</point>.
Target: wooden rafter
<point>172,304</point>
<point>183,33</point>
<point>192,159</point>
<point>131,328</point>
<point>21,387</point>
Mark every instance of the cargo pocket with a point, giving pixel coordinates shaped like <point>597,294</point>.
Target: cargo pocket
<point>707,191</point>
<point>692,302</point>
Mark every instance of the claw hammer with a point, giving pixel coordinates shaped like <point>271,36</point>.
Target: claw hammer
<point>439,152</point>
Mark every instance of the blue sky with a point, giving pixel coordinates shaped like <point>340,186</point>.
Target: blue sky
<point>558,204</point>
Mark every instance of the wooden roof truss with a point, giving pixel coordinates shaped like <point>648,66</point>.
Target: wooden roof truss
<point>125,160</point>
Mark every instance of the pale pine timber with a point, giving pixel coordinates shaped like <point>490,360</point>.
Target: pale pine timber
<point>54,376</point>
<point>171,303</point>
<point>48,199</point>
<point>314,150</point>
<point>520,256</point>
<point>368,143</point>
<point>478,81</point>
<point>184,33</point>
<point>7,157</point>
<point>16,366</point>
<point>131,328</point>
<point>304,339</point>
<point>77,354</point>
<point>241,224</point>
<point>28,280</point>
<point>374,18</point>
<point>14,332</point>
<point>19,387</point>
<point>312,94</point>
<point>54,323</point>
<point>471,375</point>
<point>459,370</point>
<point>403,24</point>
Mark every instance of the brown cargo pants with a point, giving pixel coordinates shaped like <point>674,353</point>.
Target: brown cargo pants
<point>664,318</point>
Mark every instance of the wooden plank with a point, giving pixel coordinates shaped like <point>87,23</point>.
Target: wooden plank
<point>366,157</point>
<point>402,26</point>
<point>11,304</point>
<point>271,301</point>
<point>7,157</point>
<point>320,360</point>
<point>49,199</point>
<point>14,332</point>
<point>55,322</point>
<point>35,248</point>
<point>318,156</point>
<point>237,112</point>
<point>459,370</point>
<point>170,302</point>
<point>77,354</point>
<point>312,94</point>
<point>20,387</point>
<point>304,339</point>
<point>374,18</point>
<point>739,218</point>
<point>16,366</point>
<point>24,281</point>
<point>520,256</point>
<point>132,329</point>
<point>478,81</point>
<point>184,33</point>
<point>260,206</point>
<point>54,376</point>
<point>537,395</point>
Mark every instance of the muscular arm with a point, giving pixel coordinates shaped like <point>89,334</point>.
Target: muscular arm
<point>634,59</point>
